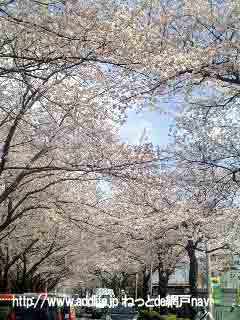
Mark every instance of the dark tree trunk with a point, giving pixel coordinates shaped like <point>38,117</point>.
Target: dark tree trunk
<point>114,285</point>
<point>145,288</point>
<point>163,284</point>
<point>163,277</point>
<point>123,283</point>
<point>193,272</point>
<point>4,282</point>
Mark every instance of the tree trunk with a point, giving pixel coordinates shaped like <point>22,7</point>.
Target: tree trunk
<point>113,284</point>
<point>145,288</point>
<point>123,283</point>
<point>4,282</point>
<point>193,272</point>
<point>163,277</point>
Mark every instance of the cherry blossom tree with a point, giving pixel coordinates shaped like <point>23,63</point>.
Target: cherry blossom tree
<point>66,83</point>
<point>59,91</point>
<point>141,215</point>
<point>36,255</point>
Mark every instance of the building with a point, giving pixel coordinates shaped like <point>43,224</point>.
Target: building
<point>227,267</point>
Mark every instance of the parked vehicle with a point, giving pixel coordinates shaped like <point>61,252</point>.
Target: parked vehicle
<point>103,296</point>
<point>121,312</point>
<point>42,311</point>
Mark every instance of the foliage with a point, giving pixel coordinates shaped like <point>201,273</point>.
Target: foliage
<point>148,314</point>
<point>237,298</point>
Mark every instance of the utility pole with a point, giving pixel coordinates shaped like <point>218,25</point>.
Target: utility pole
<point>151,267</point>
<point>151,284</point>
<point>136,287</point>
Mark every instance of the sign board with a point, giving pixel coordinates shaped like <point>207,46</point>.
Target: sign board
<point>234,276</point>
<point>216,291</point>
<point>236,262</point>
<point>231,278</point>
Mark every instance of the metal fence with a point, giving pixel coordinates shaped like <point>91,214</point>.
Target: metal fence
<point>226,313</point>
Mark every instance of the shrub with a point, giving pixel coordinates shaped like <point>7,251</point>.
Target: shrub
<point>154,315</point>
<point>172,317</point>
<point>169,317</point>
<point>149,315</point>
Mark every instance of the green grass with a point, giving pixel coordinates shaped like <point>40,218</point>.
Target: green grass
<point>148,315</point>
<point>154,315</point>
